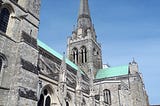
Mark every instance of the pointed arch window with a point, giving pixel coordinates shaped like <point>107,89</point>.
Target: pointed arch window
<point>84,54</point>
<point>4,18</point>
<point>75,55</point>
<point>107,96</point>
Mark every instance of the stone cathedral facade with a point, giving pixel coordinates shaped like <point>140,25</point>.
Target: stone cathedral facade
<point>33,74</point>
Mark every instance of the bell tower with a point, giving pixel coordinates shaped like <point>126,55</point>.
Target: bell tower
<point>83,48</point>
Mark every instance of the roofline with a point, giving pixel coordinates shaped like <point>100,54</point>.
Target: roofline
<point>58,55</point>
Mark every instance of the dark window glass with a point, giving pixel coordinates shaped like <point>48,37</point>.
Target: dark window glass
<point>67,104</point>
<point>45,92</point>
<point>4,17</point>
<point>84,54</point>
<point>107,96</point>
<point>0,64</point>
<point>48,101</point>
<point>41,100</point>
<point>75,55</point>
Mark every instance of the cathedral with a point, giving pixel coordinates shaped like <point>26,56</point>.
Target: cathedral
<point>33,74</point>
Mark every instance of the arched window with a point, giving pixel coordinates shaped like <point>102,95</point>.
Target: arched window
<point>107,96</point>
<point>4,18</point>
<point>75,55</point>
<point>84,54</point>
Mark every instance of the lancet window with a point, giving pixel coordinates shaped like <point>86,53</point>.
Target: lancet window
<point>4,18</point>
<point>84,54</point>
<point>107,96</point>
<point>75,55</point>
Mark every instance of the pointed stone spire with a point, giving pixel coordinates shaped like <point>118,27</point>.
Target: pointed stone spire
<point>133,61</point>
<point>83,41</point>
<point>84,18</point>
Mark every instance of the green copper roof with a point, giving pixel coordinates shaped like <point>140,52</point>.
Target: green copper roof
<point>112,72</point>
<point>50,50</point>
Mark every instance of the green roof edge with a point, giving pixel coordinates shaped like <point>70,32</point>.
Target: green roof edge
<point>58,55</point>
<point>112,72</point>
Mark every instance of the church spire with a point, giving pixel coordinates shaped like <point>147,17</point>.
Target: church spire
<point>84,18</point>
<point>84,8</point>
<point>83,48</point>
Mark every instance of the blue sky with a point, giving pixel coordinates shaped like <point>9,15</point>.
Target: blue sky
<point>125,29</point>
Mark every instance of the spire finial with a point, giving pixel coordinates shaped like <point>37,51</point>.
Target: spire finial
<point>84,8</point>
<point>134,61</point>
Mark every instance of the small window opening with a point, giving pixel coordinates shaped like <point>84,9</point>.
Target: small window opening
<point>45,92</point>
<point>107,96</point>
<point>84,54</point>
<point>75,55</point>
<point>4,18</point>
